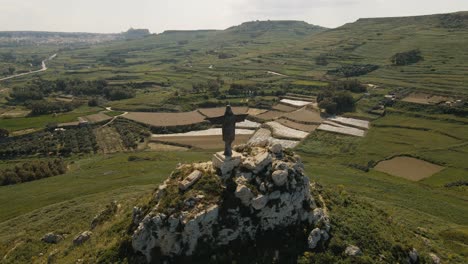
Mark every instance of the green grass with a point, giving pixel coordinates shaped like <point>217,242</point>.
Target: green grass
<point>88,176</point>
<point>38,122</point>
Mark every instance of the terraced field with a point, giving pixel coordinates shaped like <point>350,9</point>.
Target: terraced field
<point>166,119</point>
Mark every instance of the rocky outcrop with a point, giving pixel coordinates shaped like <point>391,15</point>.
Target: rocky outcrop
<point>52,238</point>
<point>435,259</point>
<point>353,251</point>
<point>265,190</point>
<point>82,237</point>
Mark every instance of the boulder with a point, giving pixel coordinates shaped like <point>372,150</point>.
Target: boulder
<point>413,256</point>
<point>258,162</point>
<point>353,251</point>
<point>82,237</point>
<point>314,238</point>
<point>190,180</point>
<point>259,202</point>
<point>280,177</point>
<point>435,259</point>
<point>52,238</point>
<point>276,149</point>
<point>244,194</point>
<point>137,214</point>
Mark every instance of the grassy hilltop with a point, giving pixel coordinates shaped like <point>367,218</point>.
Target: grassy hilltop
<point>371,209</point>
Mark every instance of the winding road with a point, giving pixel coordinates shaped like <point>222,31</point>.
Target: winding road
<point>43,68</point>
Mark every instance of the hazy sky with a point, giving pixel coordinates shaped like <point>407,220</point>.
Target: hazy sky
<point>160,15</point>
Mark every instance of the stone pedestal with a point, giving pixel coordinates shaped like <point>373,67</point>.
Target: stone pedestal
<point>226,164</point>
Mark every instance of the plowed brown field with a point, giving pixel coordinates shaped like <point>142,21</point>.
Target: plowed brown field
<point>409,168</point>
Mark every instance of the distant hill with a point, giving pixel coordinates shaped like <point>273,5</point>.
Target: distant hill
<point>61,38</point>
<point>136,33</point>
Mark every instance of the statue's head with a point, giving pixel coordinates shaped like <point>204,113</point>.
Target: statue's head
<point>228,110</point>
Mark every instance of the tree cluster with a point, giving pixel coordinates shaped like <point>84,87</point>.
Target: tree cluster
<point>42,107</point>
<point>336,102</point>
<point>353,85</point>
<point>130,132</point>
<point>241,89</point>
<point>31,171</point>
<point>211,86</point>
<point>321,60</point>
<point>406,58</point>
<point>353,70</point>
<point>47,143</point>
<point>4,133</point>
<point>39,88</point>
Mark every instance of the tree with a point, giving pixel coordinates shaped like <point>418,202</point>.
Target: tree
<point>11,70</point>
<point>93,102</point>
<point>329,106</point>
<point>4,133</point>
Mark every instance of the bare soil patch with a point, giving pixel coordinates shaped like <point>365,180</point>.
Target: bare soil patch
<point>270,115</point>
<point>305,116</point>
<point>255,111</point>
<point>219,111</point>
<point>15,113</point>
<point>409,168</point>
<point>23,132</point>
<point>284,108</point>
<point>166,119</point>
<point>298,126</point>
<point>96,118</point>
<point>201,142</point>
<point>154,146</point>
<point>108,140</point>
<point>427,99</point>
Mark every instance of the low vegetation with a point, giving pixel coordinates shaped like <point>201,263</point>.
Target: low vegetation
<point>45,143</point>
<point>353,70</point>
<point>130,132</point>
<point>406,58</point>
<point>31,171</point>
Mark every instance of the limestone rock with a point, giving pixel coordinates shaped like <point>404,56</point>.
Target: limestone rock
<point>190,180</point>
<point>280,177</point>
<point>244,194</point>
<point>314,238</point>
<point>353,251</point>
<point>276,149</point>
<point>82,237</point>
<point>226,164</point>
<point>413,256</point>
<point>435,259</point>
<point>268,192</point>
<point>137,214</point>
<point>259,202</point>
<point>257,163</point>
<point>52,238</point>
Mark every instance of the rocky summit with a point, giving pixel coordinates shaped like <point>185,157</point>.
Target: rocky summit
<point>224,205</point>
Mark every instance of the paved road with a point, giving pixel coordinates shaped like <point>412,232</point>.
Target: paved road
<point>43,68</point>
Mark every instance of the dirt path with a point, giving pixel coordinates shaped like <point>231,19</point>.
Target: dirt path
<point>112,120</point>
<point>43,68</point>
<point>276,73</point>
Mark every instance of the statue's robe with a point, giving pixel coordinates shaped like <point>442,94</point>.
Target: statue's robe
<point>229,129</point>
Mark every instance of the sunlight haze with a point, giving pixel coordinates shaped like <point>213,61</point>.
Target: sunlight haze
<point>109,16</point>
